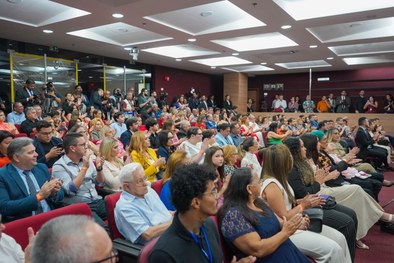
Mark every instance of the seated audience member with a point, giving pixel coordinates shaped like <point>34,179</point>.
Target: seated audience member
<point>230,156</point>
<point>195,183</point>
<point>176,159</point>
<point>7,126</point>
<point>118,125</point>
<point>10,250</point>
<point>252,228</point>
<point>200,123</point>
<point>26,187</point>
<point>108,132</point>
<point>72,238</point>
<point>166,147</point>
<point>210,123</point>
<point>141,153</point>
<point>273,136</point>
<point>208,134</point>
<point>152,127</point>
<point>365,143</point>
<point>95,127</point>
<point>276,191</point>
<point>139,213</point>
<point>17,116</point>
<point>82,129</point>
<point>222,137</point>
<point>235,134</point>
<point>79,175</point>
<point>5,140</point>
<point>184,127</point>
<point>29,125</point>
<point>248,148</point>
<point>193,146</point>
<point>112,164</point>
<point>132,127</point>
<point>48,147</point>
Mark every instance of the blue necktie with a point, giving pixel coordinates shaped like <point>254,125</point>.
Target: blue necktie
<point>32,190</point>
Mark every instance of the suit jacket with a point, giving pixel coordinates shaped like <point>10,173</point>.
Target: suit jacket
<point>125,138</point>
<point>363,141</point>
<point>203,105</point>
<point>343,106</point>
<point>40,149</point>
<point>15,202</point>
<point>22,94</point>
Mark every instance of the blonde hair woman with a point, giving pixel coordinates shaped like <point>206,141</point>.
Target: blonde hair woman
<point>95,126</point>
<point>230,155</point>
<point>112,164</point>
<point>141,152</point>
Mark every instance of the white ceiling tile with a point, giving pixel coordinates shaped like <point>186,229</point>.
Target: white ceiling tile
<point>221,61</point>
<point>304,64</point>
<point>369,60</point>
<point>252,68</point>
<point>363,49</point>
<point>181,51</point>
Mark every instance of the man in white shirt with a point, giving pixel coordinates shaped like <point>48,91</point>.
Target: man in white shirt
<point>193,146</point>
<point>280,104</point>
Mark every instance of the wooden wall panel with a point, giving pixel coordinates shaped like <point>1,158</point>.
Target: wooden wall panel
<point>236,85</point>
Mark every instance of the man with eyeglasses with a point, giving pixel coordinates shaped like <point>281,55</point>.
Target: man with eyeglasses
<point>80,173</point>
<point>140,215</point>
<point>48,147</point>
<point>26,187</point>
<point>72,238</point>
<point>194,146</point>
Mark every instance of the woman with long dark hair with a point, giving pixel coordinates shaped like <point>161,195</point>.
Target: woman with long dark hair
<point>5,139</point>
<point>250,227</point>
<point>166,145</point>
<point>276,191</point>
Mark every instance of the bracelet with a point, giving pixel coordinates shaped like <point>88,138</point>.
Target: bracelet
<point>84,168</point>
<point>99,169</point>
<point>39,197</point>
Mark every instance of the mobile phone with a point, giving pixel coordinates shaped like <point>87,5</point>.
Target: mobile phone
<point>60,145</point>
<point>324,197</point>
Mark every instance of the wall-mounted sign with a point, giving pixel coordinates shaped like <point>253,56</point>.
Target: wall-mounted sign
<point>273,87</point>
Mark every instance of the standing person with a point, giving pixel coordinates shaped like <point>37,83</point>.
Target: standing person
<point>388,104</point>
<point>280,104</point>
<point>227,104</point>
<point>203,105</point>
<point>293,105</point>
<point>343,102</point>
<point>28,95</point>
<point>331,100</point>
<point>143,100</point>
<point>195,183</point>
<point>97,98</point>
<point>323,105</point>
<point>360,102</point>
<point>308,104</point>
<point>371,106</point>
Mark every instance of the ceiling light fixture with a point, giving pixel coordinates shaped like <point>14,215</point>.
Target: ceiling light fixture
<point>206,13</point>
<point>330,58</point>
<point>286,27</point>
<point>313,46</point>
<point>178,59</point>
<point>191,39</point>
<point>127,48</point>
<point>47,31</point>
<point>117,15</point>
<point>235,54</point>
<point>213,67</point>
<point>263,63</point>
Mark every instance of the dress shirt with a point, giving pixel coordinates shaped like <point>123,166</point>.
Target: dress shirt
<point>44,204</point>
<point>237,139</point>
<point>16,118</point>
<point>10,251</point>
<point>280,104</point>
<point>250,158</point>
<point>134,215</point>
<point>221,140</point>
<point>119,128</point>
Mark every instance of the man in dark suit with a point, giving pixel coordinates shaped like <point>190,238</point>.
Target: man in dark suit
<point>26,187</point>
<point>203,104</point>
<point>365,143</point>
<point>132,127</point>
<point>28,95</point>
<point>48,147</point>
<point>343,103</point>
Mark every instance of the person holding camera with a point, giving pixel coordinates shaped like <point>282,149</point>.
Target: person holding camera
<point>48,147</point>
<point>28,95</point>
<point>107,104</point>
<point>52,98</point>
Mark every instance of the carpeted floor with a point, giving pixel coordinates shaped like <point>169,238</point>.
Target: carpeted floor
<point>381,245</point>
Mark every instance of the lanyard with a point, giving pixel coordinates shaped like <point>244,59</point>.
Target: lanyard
<point>209,254</point>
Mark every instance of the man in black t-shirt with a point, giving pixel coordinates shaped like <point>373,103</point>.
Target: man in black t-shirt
<point>48,147</point>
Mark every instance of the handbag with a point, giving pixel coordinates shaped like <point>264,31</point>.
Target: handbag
<point>316,219</point>
<point>330,203</point>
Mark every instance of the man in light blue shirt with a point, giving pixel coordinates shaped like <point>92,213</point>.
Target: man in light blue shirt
<point>17,116</point>
<point>222,137</point>
<point>119,126</point>
<point>140,215</point>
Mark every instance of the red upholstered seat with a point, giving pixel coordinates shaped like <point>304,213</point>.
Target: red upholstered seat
<point>18,228</point>
<point>157,186</point>
<point>146,250</point>
<point>226,253</point>
<point>110,203</point>
<point>20,135</point>
<point>18,127</point>
<point>265,138</point>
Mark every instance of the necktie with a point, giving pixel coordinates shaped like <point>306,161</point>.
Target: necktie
<point>32,190</point>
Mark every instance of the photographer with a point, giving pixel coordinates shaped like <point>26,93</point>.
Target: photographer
<point>28,95</point>
<point>162,99</point>
<point>117,99</point>
<point>107,104</point>
<point>52,99</point>
<point>68,105</point>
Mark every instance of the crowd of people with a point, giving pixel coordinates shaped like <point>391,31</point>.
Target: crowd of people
<point>331,103</point>
<point>259,176</point>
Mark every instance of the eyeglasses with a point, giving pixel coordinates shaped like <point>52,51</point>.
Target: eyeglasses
<point>140,181</point>
<point>113,257</point>
<point>213,193</point>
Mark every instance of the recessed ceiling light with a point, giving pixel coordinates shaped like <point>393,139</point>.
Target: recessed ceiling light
<point>90,77</point>
<point>313,46</point>
<point>47,31</point>
<point>286,27</point>
<point>117,15</point>
<point>178,59</point>
<point>206,13</point>
<point>123,30</point>
<point>192,40</point>
<point>263,63</point>
<point>235,54</point>
<point>213,67</point>
<point>330,58</point>
<point>127,48</point>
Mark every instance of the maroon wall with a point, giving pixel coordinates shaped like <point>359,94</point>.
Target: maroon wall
<point>181,81</point>
<point>375,81</point>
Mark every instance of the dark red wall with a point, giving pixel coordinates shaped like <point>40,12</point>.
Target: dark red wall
<point>375,81</point>
<point>182,81</point>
